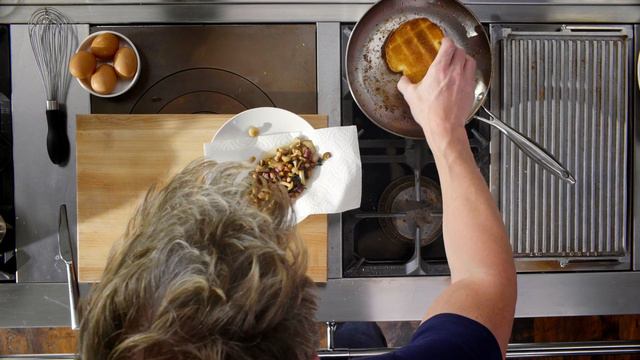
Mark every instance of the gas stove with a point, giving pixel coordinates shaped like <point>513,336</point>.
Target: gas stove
<point>397,231</point>
<point>552,226</point>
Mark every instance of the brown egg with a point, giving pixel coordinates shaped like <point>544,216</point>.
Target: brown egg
<point>105,45</point>
<point>104,80</point>
<point>82,64</point>
<point>125,63</point>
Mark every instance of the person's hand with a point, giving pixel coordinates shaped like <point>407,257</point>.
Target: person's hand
<point>442,101</point>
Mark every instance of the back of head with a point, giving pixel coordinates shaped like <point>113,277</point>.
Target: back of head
<point>202,274</point>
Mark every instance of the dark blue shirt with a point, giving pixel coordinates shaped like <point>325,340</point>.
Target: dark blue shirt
<point>448,337</point>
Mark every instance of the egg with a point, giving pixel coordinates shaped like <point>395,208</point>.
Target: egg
<point>104,46</point>
<point>104,80</point>
<point>82,64</point>
<point>125,63</point>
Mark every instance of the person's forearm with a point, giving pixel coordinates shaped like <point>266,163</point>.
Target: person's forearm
<point>474,235</point>
<point>483,277</point>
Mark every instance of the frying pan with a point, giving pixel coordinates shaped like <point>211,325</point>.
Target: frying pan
<point>373,85</point>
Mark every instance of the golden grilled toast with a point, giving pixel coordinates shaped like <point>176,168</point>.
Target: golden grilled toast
<point>412,47</point>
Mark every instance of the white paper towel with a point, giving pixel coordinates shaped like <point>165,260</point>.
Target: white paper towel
<point>335,186</point>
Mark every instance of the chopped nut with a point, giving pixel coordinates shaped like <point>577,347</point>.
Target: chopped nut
<point>309,145</point>
<point>254,131</point>
<point>290,166</point>
<point>252,159</point>
<point>289,185</point>
<point>326,156</point>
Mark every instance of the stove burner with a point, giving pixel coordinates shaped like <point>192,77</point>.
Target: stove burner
<point>201,90</point>
<point>400,198</point>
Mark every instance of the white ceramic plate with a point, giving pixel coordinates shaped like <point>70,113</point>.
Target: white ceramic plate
<point>122,85</point>
<point>268,120</point>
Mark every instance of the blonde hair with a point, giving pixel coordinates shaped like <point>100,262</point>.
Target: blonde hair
<point>202,274</point>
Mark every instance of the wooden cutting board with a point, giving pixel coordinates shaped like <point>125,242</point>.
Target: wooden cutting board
<point>120,156</point>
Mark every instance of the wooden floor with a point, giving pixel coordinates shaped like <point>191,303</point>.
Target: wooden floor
<point>583,328</point>
<point>555,329</point>
<point>38,341</point>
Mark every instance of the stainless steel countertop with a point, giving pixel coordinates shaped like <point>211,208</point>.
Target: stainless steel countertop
<point>41,299</point>
<point>382,299</point>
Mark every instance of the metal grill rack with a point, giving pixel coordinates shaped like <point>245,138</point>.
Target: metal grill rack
<point>566,89</point>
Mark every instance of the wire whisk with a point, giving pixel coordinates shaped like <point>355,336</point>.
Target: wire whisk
<point>53,40</point>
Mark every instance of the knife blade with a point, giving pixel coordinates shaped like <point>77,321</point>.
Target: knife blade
<point>66,254</point>
<point>64,238</point>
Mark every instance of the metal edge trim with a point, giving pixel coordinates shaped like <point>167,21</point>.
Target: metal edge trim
<point>518,350</point>
<point>635,161</point>
<point>328,65</point>
<point>313,11</point>
<point>494,98</point>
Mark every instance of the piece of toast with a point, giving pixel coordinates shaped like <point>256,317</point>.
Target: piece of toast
<point>412,47</point>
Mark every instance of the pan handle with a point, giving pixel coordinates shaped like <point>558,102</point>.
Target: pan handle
<point>530,148</point>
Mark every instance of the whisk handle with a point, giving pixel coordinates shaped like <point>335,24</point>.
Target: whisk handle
<point>57,140</point>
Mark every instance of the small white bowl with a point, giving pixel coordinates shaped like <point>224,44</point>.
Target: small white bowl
<point>122,85</point>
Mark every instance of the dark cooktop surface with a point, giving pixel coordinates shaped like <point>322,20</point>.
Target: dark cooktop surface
<point>221,69</point>
<point>7,206</point>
